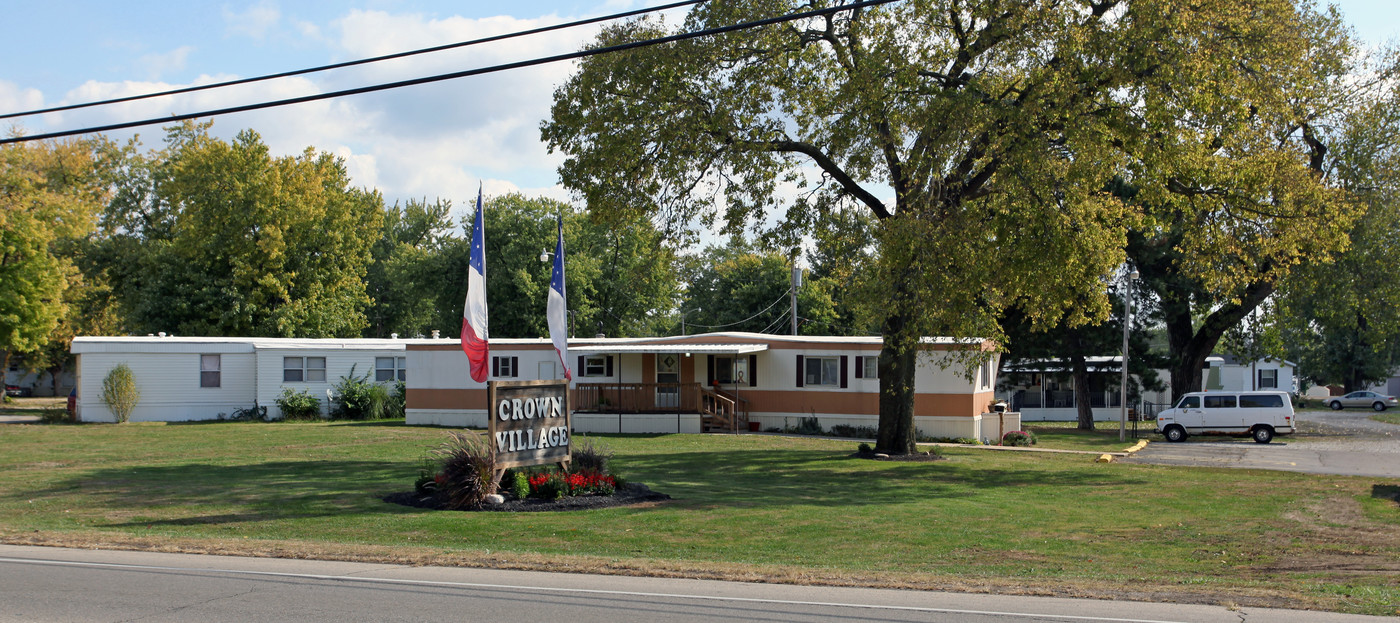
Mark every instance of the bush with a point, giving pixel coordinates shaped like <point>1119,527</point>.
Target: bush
<point>249,414</point>
<point>55,416</point>
<point>520,485</point>
<point>358,398</point>
<point>1018,438</point>
<point>858,432</point>
<point>864,449</point>
<point>396,406</point>
<point>549,485</point>
<point>807,426</point>
<point>590,458</point>
<point>299,405</point>
<point>468,471</point>
<point>119,392</point>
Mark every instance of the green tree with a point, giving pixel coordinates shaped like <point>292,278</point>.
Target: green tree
<point>403,279</point>
<point>621,276</point>
<point>208,237</point>
<point>738,287</point>
<point>980,134</point>
<point>50,193</point>
<point>1339,318</point>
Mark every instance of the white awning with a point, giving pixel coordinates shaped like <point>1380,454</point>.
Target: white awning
<point>693,349</point>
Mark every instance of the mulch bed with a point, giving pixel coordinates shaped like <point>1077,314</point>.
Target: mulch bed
<point>626,495</point>
<point>918,457</point>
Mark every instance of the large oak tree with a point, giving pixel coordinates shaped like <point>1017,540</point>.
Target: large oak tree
<point>980,133</point>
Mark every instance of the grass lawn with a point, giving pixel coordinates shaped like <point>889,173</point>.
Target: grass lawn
<point>1104,437</point>
<point>1389,417</point>
<point>751,507</point>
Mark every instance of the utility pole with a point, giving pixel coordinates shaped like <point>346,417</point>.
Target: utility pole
<point>796,283</point>
<point>1123,386</point>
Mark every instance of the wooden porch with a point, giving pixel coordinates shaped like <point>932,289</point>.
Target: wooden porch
<point>719,411</point>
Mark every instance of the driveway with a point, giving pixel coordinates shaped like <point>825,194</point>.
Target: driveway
<point>1344,443</point>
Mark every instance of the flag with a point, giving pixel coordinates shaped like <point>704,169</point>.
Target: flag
<point>474,333</point>
<point>558,311</point>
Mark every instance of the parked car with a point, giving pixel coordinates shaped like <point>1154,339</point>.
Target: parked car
<point>15,390</point>
<point>1260,415</point>
<point>1379,402</point>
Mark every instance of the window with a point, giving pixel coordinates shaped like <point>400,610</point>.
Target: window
<point>1189,402</point>
<point>1220,402</point>
<point>731,369</point>
<point>303,369</point>
<point>505,367</point>
<point>209,371</point>
<point>595,365</point>
<point>823,371</point>
<point>1255,401</point>
<point>869,367</point>
<point>1268,379</point>
<point>985,381</point>
<point>389,369</point>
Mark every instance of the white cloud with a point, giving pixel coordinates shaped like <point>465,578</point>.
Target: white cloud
<point>14,98</point>
<point>253,21</point>
<point>157,65</point>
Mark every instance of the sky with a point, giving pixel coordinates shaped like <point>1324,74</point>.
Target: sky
<point>429,141</point>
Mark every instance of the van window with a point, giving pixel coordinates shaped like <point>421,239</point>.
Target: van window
<point>1220,402</point>
<point>1248,401</point>
<point>1189,402</point>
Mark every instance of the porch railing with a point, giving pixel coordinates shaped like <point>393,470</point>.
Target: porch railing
<point>718,410</point>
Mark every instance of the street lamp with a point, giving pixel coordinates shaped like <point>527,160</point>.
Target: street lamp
<point>1123,385</point>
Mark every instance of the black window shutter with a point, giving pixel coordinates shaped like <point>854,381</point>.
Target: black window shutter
<point>582,369</point>
<point>515,366</point>
<point>608,371</point>
<point>843,371</point>
<point>709,369</point>
<point>495,366</point>
<point>860,367</point>
<point>753,370</point>
<point>800,371</point>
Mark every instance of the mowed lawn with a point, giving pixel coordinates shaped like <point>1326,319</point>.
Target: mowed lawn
<point>754,507</point>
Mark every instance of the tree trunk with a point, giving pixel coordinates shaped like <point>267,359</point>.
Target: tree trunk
<point>898,359</point>
<point>1189,349</point>
<point>1081,392</point>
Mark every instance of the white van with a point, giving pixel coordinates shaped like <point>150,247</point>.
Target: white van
<point>1260,415</point>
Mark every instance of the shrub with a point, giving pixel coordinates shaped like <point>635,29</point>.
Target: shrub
<point>590,483</point>
<point>468,471</point>
<point>590,458</point>
<point>395,407</point>
<point>299,405</point>
<point>119,392</point>
<point>55,416</point>
<point>807,426</point>
<point>1018,438</point>
<point>549,485</point>
<point>864,448</point>
<point>520,485</point>
<point>358,398</point>
<point>858,432</point>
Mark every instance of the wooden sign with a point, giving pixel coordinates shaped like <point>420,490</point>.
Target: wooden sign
<point>530,422</point>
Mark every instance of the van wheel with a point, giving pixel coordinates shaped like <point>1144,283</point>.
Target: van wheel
<point>1175,433</point>
<point>1263,434</point>
<point>1379,406</point>
<point>1336,405</point>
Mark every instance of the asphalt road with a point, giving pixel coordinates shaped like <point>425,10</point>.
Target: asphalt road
<point>40,585</point>
<point>1345,443</point>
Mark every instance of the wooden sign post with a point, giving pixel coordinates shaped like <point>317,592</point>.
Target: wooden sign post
<point>530,423</point>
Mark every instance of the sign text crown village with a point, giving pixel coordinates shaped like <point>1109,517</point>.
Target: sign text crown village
<point>530,422</point>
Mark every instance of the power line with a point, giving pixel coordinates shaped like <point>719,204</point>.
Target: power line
<point>721,326</point>
<point>363,61</point>
<point>454,75</point>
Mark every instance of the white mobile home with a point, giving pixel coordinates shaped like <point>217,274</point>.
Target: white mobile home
<point>200,378</point>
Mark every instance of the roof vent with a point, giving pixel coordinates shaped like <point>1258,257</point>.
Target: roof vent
<point>160,334</point>
<point>437,334</point>
<point>393,336</point>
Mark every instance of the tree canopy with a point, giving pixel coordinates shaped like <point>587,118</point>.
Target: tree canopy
<point>50,194</point>
<point>208,237</point>
<point>982,135</point>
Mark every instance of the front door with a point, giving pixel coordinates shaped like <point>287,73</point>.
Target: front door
<point>668,379</point>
